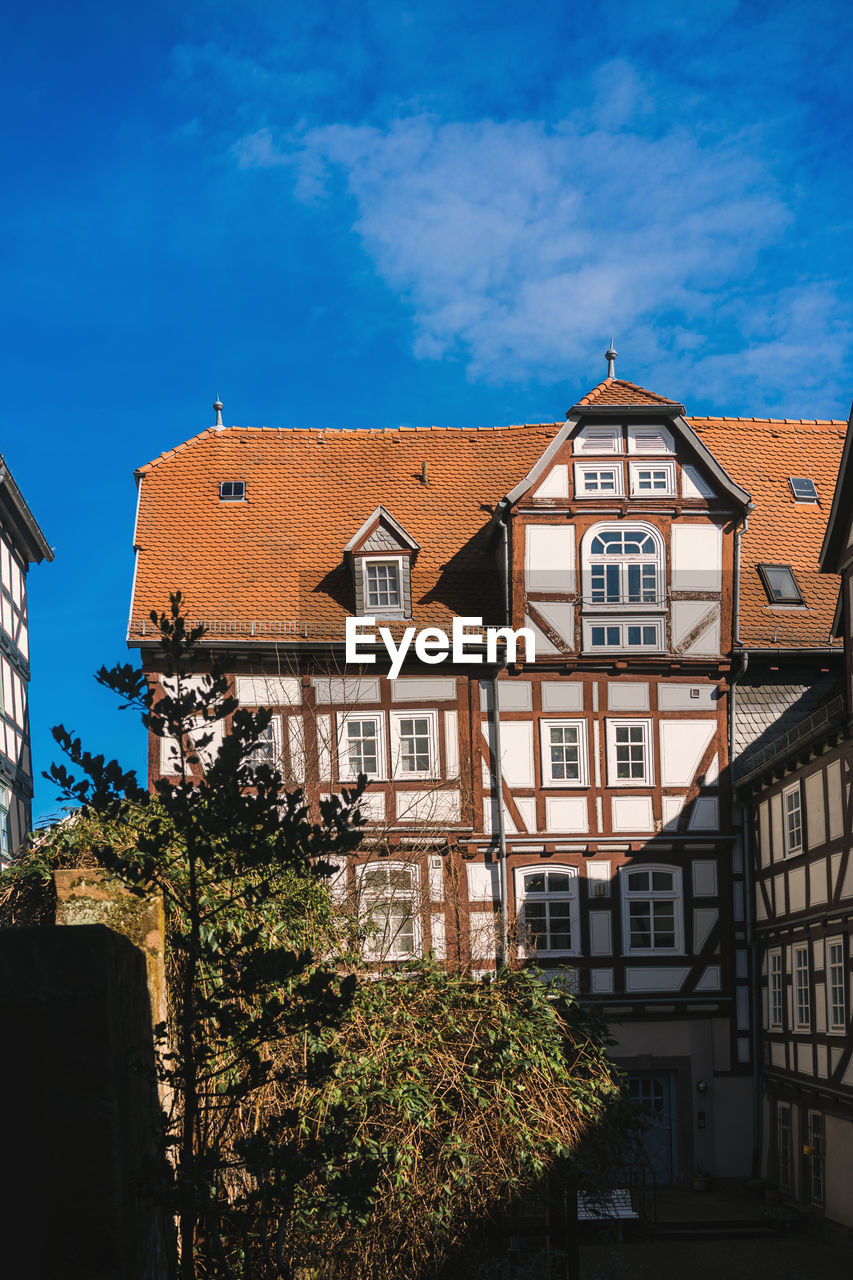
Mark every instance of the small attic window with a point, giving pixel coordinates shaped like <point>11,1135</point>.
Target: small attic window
<point>803,489</point>
<point>232,490</point>
<point>780,584</point>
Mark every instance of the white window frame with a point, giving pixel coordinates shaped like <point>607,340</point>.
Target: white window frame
<point>616,629</point>
<point>545,727</point>
<point>433,770</point>
<point>598,441</point>
<point>836,1011</point>
<point>802,988</point>
<point>571,896</point>
<point>274,736</point>
<point>345,772</point>
<point>775,991</point>
<point>675,895</point>
<point>584,469</point>
<point>383,611</point>
<point>374,948</point>
<point>792,850</point>
<point>648,778</point>
<point>625,563</point>
<point>668,470</point>
<point>638,434</point>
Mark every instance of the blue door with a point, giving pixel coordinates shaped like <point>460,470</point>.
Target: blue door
<point>654,1095</point>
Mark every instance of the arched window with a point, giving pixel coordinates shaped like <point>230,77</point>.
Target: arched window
<point>623,565</point>
<point>388,894</point>
<point>548,910</point>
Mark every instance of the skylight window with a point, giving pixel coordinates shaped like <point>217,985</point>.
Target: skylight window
<point>780,584</point>
<point>803,489</point>
<point>232,490</point>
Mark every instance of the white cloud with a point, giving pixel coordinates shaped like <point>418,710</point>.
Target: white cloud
<point>517,244</point>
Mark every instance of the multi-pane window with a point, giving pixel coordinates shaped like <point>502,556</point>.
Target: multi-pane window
<point>564,759</point>
<point>836,985</point>
<point>629,760</point>
<point>654,481</point>
<point>653,911</point>
<point>597,481</point>
<point>623,635</point>
<point>549,909</point>
<point>792,803</point>
<point>361,746</point>
<point>388,893</point>
<point>802,989</point>
<point>414,744</point>
<point>774,989</point>
<point>382,580</point>
<point>815,1153</point>
<point>267,749</point>
<point>624,567</point>
<point>232,490</point>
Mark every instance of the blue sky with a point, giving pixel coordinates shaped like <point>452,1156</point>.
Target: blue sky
<point>374,214</point>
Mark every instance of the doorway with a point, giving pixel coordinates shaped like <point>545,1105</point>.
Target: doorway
<point>654,1095</point>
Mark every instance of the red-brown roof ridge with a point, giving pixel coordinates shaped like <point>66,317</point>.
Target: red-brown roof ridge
<point>618,391</point>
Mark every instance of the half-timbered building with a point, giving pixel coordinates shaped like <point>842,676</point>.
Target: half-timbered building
<point>22,543</point>
<point>572,806</point>
<point>796,781</point>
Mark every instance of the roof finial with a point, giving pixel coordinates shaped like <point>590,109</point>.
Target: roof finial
<point>610,356</point>
<point>217,404</point>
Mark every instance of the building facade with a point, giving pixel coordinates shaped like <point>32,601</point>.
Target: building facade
<point>797,784</point>
<point>572,807</point>
<point>22,543</point>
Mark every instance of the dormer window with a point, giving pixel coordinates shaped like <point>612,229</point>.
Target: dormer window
<point>380,555</point>
<point>232,490</point>
<point>382,584</point>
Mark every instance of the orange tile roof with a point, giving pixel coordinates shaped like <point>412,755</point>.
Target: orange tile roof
<point>278,557</point>
<point>618,391</point>
<point>273,564</point>
<point>761,454</point>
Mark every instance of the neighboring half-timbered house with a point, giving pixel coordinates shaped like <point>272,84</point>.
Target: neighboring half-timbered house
<point>574,808</point>
<point>797,780</point>
<point>22,543</point>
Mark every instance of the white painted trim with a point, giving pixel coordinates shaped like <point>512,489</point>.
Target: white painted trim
<point>583,752</point>
<point>571,896</point>
<point>612,468</point>
<point>433,771</point>
<point>412,896</point>
<point>378,611</point>
<point>675,895</point>
<point>611,725</point>
<point>381,513</point>
<point>344,772</point>
<point>666,466</point>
